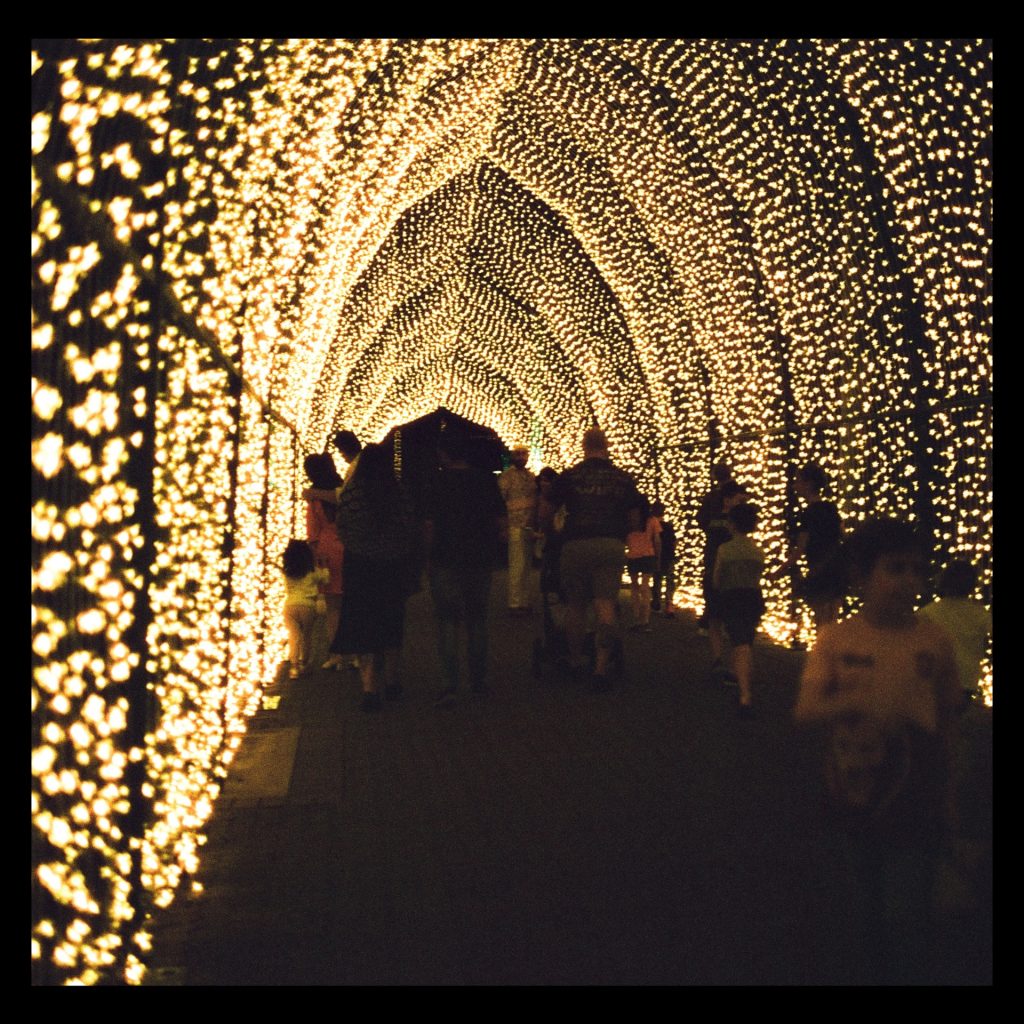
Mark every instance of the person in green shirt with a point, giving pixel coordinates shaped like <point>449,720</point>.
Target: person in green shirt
<point>739,563</point>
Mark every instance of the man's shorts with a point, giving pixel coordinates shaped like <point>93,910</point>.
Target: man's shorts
<point>591,567</point>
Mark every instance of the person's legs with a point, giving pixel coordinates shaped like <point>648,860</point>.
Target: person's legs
<point>391,661</point>
<point>742,661</point>
<point>606,581</point>
<point>331,626</point>
<point>604,613</point>
<point>634,592</point>
<point>293,624</point>
<point>670,589</point>
<point>716,638</point>
<point>370,671</point>
<point>707,589</point>
<point>448,611</point>
<point>645,599</point>
<point>576,631</point>
<point>477,589</point>
<point>574,573</point>
<point>518,567</point>
<point>300,620</point>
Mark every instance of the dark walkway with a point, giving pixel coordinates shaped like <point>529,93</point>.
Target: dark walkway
<point>543,835</point>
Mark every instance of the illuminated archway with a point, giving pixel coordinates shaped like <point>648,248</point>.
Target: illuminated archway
<point>772,251</point>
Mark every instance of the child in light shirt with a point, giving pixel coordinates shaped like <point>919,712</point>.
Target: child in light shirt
<point>736,578</point>
<point>883,683</point>
<point>304,602</point>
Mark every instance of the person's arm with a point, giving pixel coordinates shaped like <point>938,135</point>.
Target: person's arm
<point>795,553</point>
<point>321,494</point>
<point>716,572</point>
<point>704,513</point>
<point>656,539</point>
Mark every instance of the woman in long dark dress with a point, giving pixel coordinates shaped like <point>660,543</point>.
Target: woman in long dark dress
<point>375,524</point>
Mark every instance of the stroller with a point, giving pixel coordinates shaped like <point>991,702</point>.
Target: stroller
<point>551,648</point>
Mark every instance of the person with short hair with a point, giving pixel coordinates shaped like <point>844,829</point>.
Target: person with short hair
<point>739,563</point>
<point>303,602</point>
<point>350,448</point>
<point>598,498</point>
<point>883,685</point>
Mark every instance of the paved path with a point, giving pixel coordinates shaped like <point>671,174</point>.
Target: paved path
<point>543,835</point>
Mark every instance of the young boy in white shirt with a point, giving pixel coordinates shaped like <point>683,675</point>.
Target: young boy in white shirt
<point>883,682</point>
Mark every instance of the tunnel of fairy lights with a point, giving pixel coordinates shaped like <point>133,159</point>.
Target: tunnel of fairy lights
<point>759,251</point>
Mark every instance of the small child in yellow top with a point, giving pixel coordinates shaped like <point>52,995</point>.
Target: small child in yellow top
<point>304,602</point>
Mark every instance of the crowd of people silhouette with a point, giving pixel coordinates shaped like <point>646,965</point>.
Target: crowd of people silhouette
<point>888,685</point>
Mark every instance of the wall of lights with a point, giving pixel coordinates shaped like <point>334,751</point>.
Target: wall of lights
<point>765,252</point>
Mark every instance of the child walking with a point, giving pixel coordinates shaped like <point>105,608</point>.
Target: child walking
<point>643,556</point>
<point>303,603</point>
<point>736,579</point>
<point>883,683</point>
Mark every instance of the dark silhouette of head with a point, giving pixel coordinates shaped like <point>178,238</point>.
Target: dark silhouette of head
<point>321,471</point>
<point>298,560</point>
<point>958,579</point>
<point>743,517</point>
<point>812,476</point>
<point>519,456</point>
<point>348,444</point>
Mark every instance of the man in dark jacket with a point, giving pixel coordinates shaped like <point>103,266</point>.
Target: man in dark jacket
<point>464,518</point>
